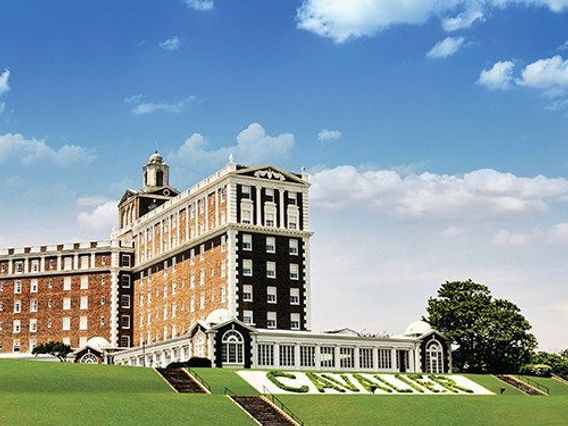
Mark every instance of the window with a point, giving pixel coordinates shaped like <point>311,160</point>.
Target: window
<point>246,213</point>
<point>366,358</point>
<point>307,356</point>
<point>292,198</point>
<point>202,251</point>
<point>16,345</point>
<point>103,260</point>
<point>192,305</point>
<point>103,300</point>
<point>294,274</point>
<point>245,191</point>
<point>232,347</point>
<point>270,269</point>
<point>16,326</point>
<point>83,323</point>
<point>247,267</point>
<point>66,283</point>
<point>66,324</point>
<point>33,305</point>
<point>17,306</point>
<point>269,219</point>
<point>434,358</point>
<point>247,293</point>
<point>293,247</point>
<point>385,359</point>
<point>294,321</point>
<point>84,261</point>
<point>84,282</point>
<point>17,287</point>
<point>66,341</point>
<point>174,288</point>
<point>327,356</point>
<point>271,320</point>
<point>202,301</point>
<point>347,357</point>
<point>84,303</point>
<point>125,281</point>
<point>35,265</point>
<point>270,245</point>
<point>247,242</point>
<point>192,281</point>
<point>33,286</point>
<point>269,194</point>
<point>66,303</point>
<point>294,296</point>
<point>271,294</point>
<point>19,267</point>
<point>223,269</point>
<point>165,314</point>
<point>292,221</point>
<point>125,301</point>
<point>247,317</point>
<point>32,344</point>
<point>124,341</point>
<point>67,263</point>
<point>125,321</point>
<point>126,260</point>
<point>265,355</point>
<point>287,356</point>
<point>202,278</point>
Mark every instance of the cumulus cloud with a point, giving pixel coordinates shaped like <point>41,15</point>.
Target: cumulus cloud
<point>446,47</point>
<point>92,201</point>
<point>171,44</point>
<point>326,135</point>
<point>201,5</point>
<point>498,77</point>
<point>253,145</point>
<point>342,20</point>
<point>549,73</point>
<point>102,218</point>
<point>4,77</point>
<point>30,151</point>
<point>435,196</point>
<point>141,107</point>
<point>504,237</point>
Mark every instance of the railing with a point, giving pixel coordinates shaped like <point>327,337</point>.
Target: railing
<point>229,392</point>
<point>200,379</point>
<point>534,384</point>
<point>278,402</point>
<point>560,378</point>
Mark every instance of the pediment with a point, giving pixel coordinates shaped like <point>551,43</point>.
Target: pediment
<point>271,172</point>
<point>129,193</point>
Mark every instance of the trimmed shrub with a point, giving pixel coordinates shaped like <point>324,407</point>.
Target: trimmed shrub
<point>321,383</point>
<point>273,377</point>
<point>538,370</point>
<point>409,383</point>
<point>194,362</point>
<point>346,382</point>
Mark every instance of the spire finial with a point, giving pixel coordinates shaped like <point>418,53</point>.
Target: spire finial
<point>231,158</point>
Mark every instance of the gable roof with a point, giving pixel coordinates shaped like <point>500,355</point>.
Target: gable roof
<point>270,172</point>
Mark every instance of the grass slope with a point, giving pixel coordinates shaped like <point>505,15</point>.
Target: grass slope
<point>556,387</point>
<point>43,393</point>
<point>219,379</point>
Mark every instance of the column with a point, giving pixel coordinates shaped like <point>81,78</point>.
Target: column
<point>178,242</point>
<point>394,360</point>
<point>75,261</point>
<point>187,208</point>
<point>276,355</point>
<point>318,357</point>
<point>216,208</point>
<point>357,358</point>
<point>196,215</point>
<point>259,219</point>
<point>206,212</point>
<point>42,264</point>
<point>10,267</point>
<point>59,266</point>
<point>92,259</point>
<point>281,207</point>
<point>26,265</point>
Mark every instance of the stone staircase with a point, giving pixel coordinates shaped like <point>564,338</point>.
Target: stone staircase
<point>180,380</point>
<point>521,385</point>
<point>263,411</point>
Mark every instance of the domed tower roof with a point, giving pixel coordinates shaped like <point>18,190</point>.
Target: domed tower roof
<point>156,158</point>
<point>417,328</point>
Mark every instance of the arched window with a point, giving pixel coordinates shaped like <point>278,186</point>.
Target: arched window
<point>233,347</point>
<point>89,359</point>
<point>434,357</point>
<point>199,345</point>
<point>159,178</point>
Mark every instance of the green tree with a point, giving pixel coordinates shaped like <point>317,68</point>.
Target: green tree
<point>558,362</point>
<point>57,349</point>
<point>492,335</point>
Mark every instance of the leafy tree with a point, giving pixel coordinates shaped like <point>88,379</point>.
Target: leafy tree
<point>57,349</point>
<point>492,334</point>
<point>558,362</point>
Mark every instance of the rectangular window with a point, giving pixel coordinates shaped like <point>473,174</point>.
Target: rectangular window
<point>17,287</point>
<point>126,260</point>
<point>347,357</point>
<point>271,294</point>
<point>247,293</point>
<point>294,271</point>
<point>269,194</point>
<point>247,317</point>
<point>307,356</point>
<point>33,305</point>
<point>269,219</point>
<point>16,345</point>
<point>125,301</point>
<point>292,198</point>
<point>66,283</point>
<point>192,281</point>
<point>16,326</point>
<point>66,324</point>
<point>246,214</point>
<point>294,296</point>
<point>67,263</point>
<point>201,278</point>
<point>84,304</point>
<point>125,281</point>
<point>270,269</point>
<point>202,251</point>
<point>245,191</point>
<point>247,267</point>
<point>33,286</point>
<point>202,302</point>
<point>287,356</point>
<point>265,355</point>
<point>66,303</point>
<point>35,265</point>
<point>385,359</point>
<point>192,305</point>
<point>125,321</point>
<point>270,245</point>
<point>17,306</point>
<point>84,262</point>
<point>366,358</point>
<point>124,341</point>
<point>293,247</point>
<point>85,282</point>
<point>247,242</point>
<point>294,321</point>
<point>271,320</point>
<point>19,267</point>
<point>83,321</point>
<point>327,356</point>
<point>292,221</point>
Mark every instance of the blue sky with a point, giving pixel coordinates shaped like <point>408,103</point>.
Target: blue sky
<point>439,151</point>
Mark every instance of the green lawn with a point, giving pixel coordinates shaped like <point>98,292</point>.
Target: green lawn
<point>45,393</point>
<point>220,378</point>
<point>556,387</point>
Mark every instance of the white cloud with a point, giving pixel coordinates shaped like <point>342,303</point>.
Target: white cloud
<point>342,20</point>
<point>563,46</point>
<point>504,237</point>
<point>141,107</point>
<point>253,145</point>
<point>171,44</point>
<point>462,20</point>
<point>434,196</point>
<point>4,77</point>
<point>199,4</point>
<point>550,73</point>
<point>453,232</point>
<point>446,47</point>
<point>326,135</point>
<point>558,233</point>
<point>102,218</point>
<point>498,77</point>
<point>30,151</point>
<point>92,201</point>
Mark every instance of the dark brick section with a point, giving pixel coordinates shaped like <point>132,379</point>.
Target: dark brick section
<point>218,344</point>
<point>260,282</point>
<point>445,347</point>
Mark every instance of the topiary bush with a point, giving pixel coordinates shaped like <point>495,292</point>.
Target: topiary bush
<point>538,370</point>
<point>194,362</point>
<point>273,377</point>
